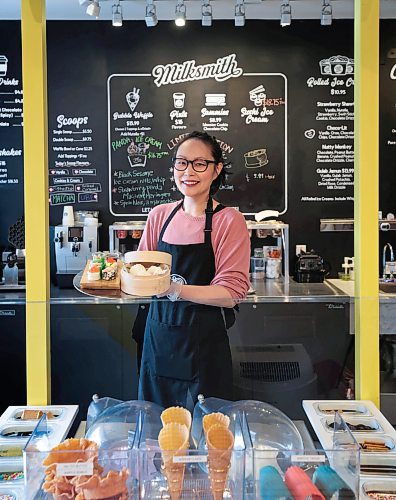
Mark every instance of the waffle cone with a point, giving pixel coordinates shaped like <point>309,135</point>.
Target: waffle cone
<point>176,414</point>
<point>215,419</point>
<point>173,440</point>
<point>220,442</point>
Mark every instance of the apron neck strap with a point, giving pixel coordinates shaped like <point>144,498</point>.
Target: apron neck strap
<point>208,220</point>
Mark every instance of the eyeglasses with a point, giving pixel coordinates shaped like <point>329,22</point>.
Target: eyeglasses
<point>198,165</point>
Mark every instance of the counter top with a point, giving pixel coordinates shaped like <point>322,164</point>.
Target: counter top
<point>264,291</point>
<point>348,288</point>
<point>334,290</point>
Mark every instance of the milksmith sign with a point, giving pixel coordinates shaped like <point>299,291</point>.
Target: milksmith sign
<point>188,71</point>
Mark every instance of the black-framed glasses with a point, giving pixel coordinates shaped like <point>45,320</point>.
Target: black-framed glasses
<point>198,165</point>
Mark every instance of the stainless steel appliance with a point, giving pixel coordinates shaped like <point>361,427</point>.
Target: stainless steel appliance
<point>12,265</point>
<point>73,247</point>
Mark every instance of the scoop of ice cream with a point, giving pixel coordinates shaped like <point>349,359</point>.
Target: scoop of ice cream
<point>138,270</point>
<point>132,149</point>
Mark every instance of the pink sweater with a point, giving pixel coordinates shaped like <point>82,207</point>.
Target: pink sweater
<point>230,241</point>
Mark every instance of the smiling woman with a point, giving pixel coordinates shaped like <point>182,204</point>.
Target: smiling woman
<point>186,350</point>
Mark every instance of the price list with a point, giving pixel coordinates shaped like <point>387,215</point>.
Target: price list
<point>73,174</point>
<point>332,131</point>
<point>11,122</point>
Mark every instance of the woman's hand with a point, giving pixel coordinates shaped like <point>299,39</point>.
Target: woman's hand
<point>173,291</point>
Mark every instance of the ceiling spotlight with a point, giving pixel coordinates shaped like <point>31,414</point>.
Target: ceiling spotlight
<point>240,13</point>
<point>117,14</point>
<point>151,14</point>
<point>327,13</point>
<point>206,13</point>
<point>180,13</point>
<point>93,8</point>
<point>285,13</point>
<point>85,3</point>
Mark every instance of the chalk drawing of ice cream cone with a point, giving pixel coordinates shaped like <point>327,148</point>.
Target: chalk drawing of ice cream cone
<point>132,98</point>
<point>136,155</point>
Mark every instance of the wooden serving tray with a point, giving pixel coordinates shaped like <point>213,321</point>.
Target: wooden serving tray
<point>100,284</point>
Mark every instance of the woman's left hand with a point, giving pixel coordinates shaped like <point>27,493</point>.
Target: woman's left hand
<point>173,291</point>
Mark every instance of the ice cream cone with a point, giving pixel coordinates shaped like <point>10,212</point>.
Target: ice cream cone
<point>176,414</point>
<point>173,440</point>
<point>215,419</point>
<point>220,441</point>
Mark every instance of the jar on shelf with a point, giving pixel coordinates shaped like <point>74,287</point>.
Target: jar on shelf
<point>273,268</point>
<point>121,234</point>
<point>257,267</point>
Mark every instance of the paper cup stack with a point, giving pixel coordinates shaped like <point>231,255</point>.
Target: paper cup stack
<point>220,442</point>
<point>174,441</point>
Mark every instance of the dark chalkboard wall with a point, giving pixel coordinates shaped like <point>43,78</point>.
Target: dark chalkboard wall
<point>387,123</point>
<point>11,133</point>
<point>92,67</point>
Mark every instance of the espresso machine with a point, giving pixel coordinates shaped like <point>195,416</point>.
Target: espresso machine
<point>74,241</point>
<point>12,264</point>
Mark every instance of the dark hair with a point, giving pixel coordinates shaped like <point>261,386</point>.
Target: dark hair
<point>216,151</point>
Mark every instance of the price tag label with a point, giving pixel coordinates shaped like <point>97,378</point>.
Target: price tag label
<point>308,458</point>
<point>74,469</point>
<point>190,459</point>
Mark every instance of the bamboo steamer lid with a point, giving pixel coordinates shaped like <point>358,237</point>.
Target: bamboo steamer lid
<point>148,256</point>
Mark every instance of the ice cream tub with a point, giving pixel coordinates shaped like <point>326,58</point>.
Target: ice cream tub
<point>345,408</point>
<point>18,432</point>
<point>23,414</point>
<point>379,489</point>
<point>10,472</point>
<point>375,444</point>
<point>12,493</point>
<point>11,451</point>
<point>378,465</point>
<point>355,424</point>
<point>146,273</point>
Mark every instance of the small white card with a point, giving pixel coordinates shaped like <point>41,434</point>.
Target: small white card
<point>74,469</point>
<point>308,458</point>
<point>190,459</point>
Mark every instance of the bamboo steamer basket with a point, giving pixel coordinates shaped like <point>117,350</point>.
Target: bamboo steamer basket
<point>146,286</point>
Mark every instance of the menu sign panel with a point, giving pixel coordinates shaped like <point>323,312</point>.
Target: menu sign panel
<point>331,131</point>
<point>149,113</point>
<point>72,171</point>
<point>11,121</point>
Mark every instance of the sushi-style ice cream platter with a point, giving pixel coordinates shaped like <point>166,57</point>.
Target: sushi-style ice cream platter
<point>101,272</point>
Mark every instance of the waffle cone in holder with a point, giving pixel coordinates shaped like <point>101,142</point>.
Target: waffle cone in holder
<point>173,440</point>
<point>215,419</point>
<point>176,414</point>
<point>220,442</point>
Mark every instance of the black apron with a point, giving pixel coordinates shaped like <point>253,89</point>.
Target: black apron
<point>186,350</point>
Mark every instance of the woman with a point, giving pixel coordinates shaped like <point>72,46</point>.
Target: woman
<point>186,350</point>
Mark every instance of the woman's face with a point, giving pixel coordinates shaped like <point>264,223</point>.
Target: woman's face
<point>189,182</point>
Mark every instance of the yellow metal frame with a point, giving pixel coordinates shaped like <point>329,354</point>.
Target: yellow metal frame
<point>36,199</point>
<point>35,144</point>
<point>366,199</point>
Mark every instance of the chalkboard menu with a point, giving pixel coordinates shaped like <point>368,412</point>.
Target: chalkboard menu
<point>11,134</point>
<point>279,102</point>
<point>150,114</point>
